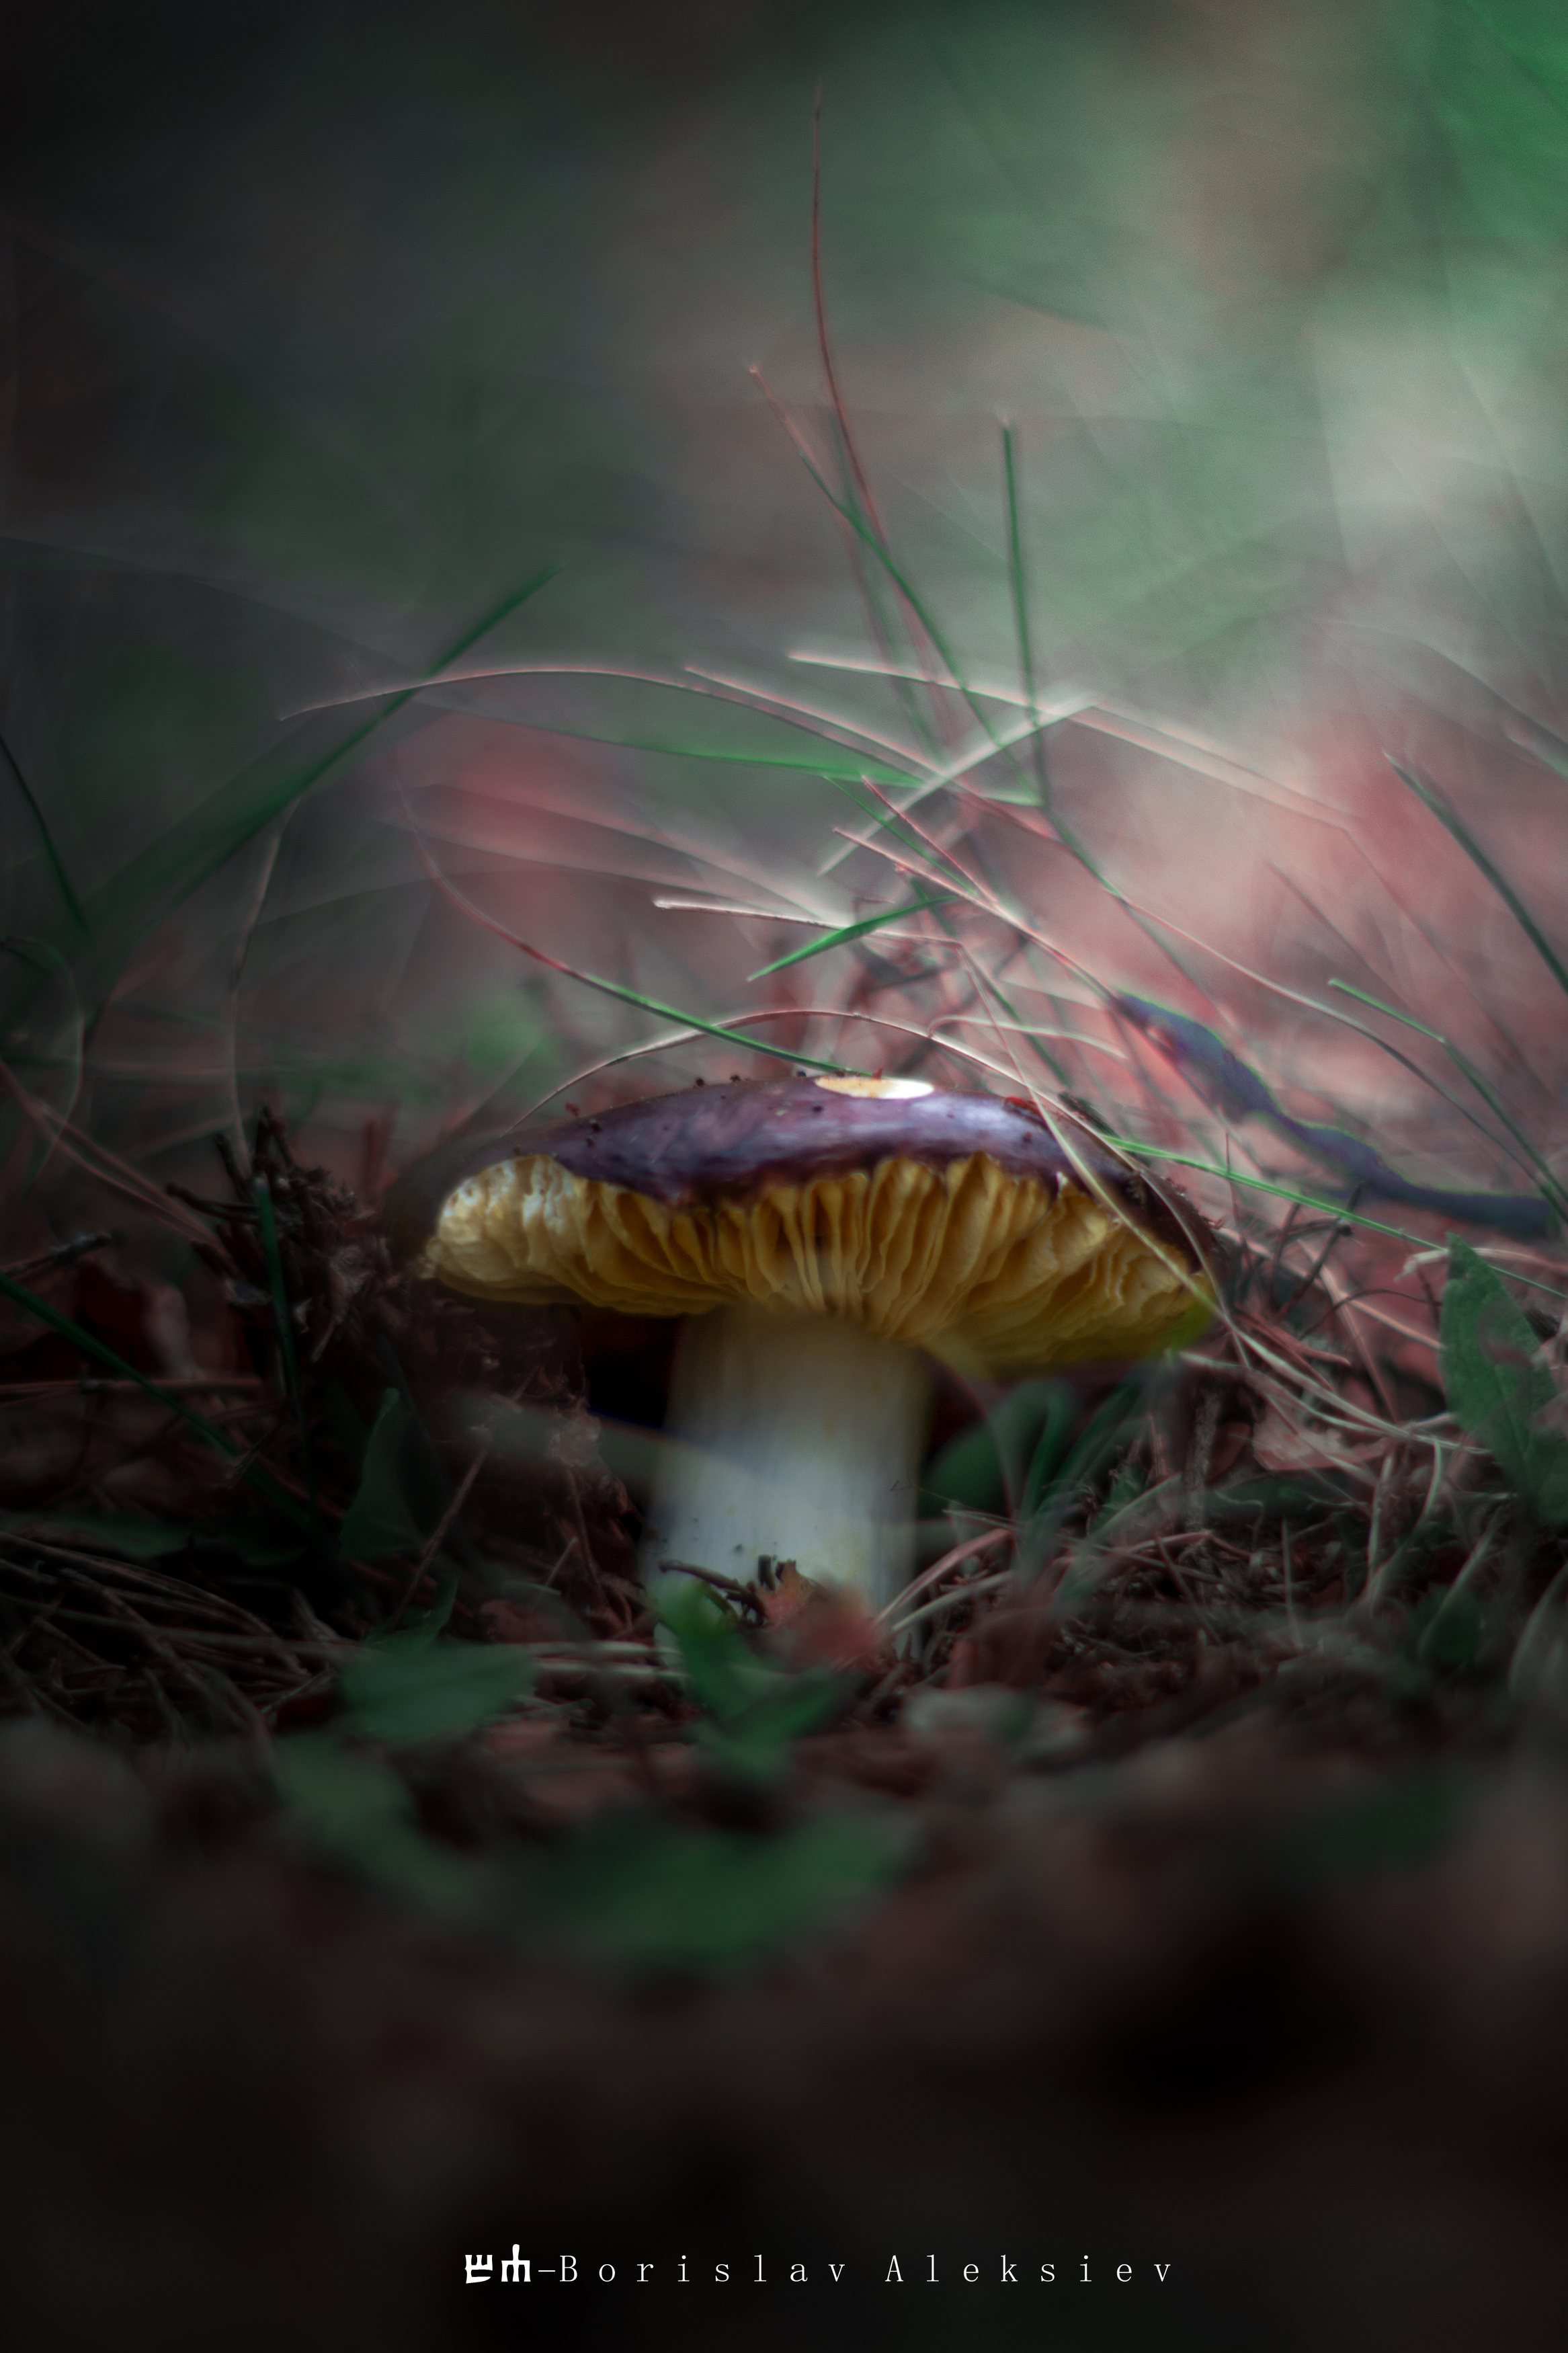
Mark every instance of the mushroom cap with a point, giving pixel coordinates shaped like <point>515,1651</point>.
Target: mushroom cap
<point>959,1223</point>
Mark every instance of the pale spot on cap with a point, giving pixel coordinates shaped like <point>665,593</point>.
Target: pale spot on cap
<point>883,1090</point>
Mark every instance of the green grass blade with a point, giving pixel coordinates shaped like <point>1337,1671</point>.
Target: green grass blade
<point>407,1690</point>
<point>1384,1045</point>
<point>285,1321</point>
<point>1429,798</point>
<point>847,932</point>
<point>1019,584</point>
<point>909,594</point>
<point>868,748</point>
<point>1551,1184</point>
<point>1042,1052</point>
<point>184,866</point>
<point>806,767</point>
<point>1327,1209</point>
<point>894,822</point>
<point>617,989</point>
<point>711,1029</point>
<point>380,1522</point>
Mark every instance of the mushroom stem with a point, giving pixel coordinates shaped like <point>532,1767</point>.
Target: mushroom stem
<point>794,1436</point>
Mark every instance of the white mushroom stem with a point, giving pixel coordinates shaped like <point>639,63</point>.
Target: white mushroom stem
<point>797,1436</point>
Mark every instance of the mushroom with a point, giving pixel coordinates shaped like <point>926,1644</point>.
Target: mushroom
<point>822,1237</point>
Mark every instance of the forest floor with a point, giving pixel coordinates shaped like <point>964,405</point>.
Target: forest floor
<point>387,1892</point>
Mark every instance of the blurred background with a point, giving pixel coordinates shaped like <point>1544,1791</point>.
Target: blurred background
<point>343,344</point>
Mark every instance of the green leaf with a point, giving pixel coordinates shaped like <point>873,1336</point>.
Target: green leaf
<point>1015,1450</point>
<point>1496,1388</point>
<point>1447,1631</point>
<point>379,1520</point>
<point>356,1810</point>
<point>752,1741</point>
<point>654,1892</point>
<point>1050,1450</point>
<point>1057,1475</point>
<point>419,1628</point>
<point>757,1709</point>
<point>966,1475</point>
<point>405,1688</point>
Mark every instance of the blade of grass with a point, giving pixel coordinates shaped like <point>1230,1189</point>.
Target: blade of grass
<point>952,772</point>
<point>268,1222</point>
<point>1151,926</point>
<point>186,867</point>
<point>1021,613</point>
<point>858,481</point>
<point>857,471</point>
<point>1314,1005</point>
<point>1551,1184</point>
<point>845,932</point>
<point>977,895</point>
<point>1139,1150</point>
<point>965,1056</point>
<point>896,574</point>
<point>830,726</point>
<point>912,840</point>
<point>593,980</point>
<point>858,522</point>
<point>1384,1044</point>
<point>1432,799</point>
<point>985,985</point>
<point>711,686</point>
<point>983,896</point>
<point>674,751</point>
<point>1065,833</point>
